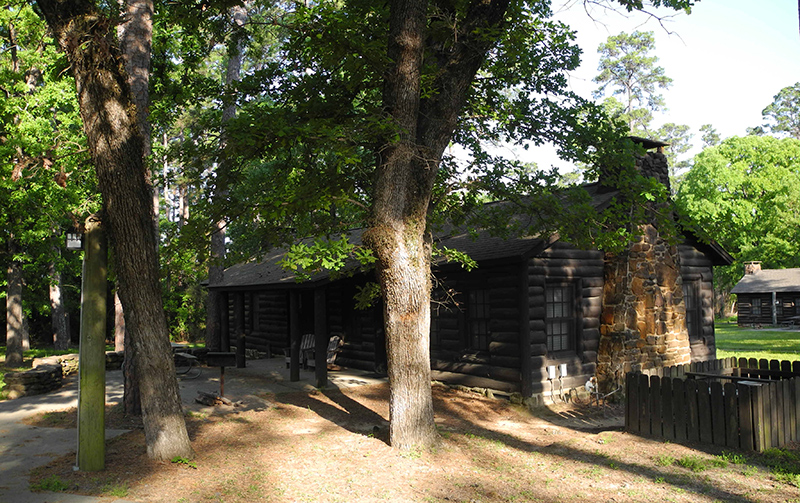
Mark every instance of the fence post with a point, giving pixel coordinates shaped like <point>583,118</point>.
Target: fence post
<point>731,413</point>
<point>718,416</point>
<point>692,419</point>
<point>679,408</point>
<point>704,412</point>
<point>644,403</point>
<point>655,406</point>
<point>632,403</point>
<point>760,425</point>
<point>747,427</point>
<point>667,414</point>
<point>776,416</point>
<point>795,386</point>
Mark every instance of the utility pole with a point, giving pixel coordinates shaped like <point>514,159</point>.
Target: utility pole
<point>92,370</point>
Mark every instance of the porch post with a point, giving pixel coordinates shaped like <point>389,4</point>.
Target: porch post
<point>224,323</point>
<point>774,308</point>
<point>320,337</point>
<point>238,320</point>
<point>294,334</point>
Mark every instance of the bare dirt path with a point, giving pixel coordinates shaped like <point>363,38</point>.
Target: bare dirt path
<point>331,447</point>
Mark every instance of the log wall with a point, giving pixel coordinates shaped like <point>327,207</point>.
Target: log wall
<point>563,263</point>
<point>697,267</point>
<point>453,357</point>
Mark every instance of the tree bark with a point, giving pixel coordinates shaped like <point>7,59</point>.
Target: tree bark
<point>398,233</point>
<point>135,40</point>
<point>14,322</point>
<point>116,146</point>
<point>119,323</point>
<point>398,237</point>
<point>217,264</point>
<point>58,315</point>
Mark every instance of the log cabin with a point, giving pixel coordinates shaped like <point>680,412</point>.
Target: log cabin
<point>534,316</point>
<point>768,296</point>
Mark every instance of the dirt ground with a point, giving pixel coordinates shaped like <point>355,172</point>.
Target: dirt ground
<point>331,446</point>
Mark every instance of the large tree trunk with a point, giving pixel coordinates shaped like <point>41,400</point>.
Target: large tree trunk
<point>398,238</point>
<point>15,325</point>
<point>116,145</point>
<point>135,40</point>
<point>398,233</point>
<point>214,310</point>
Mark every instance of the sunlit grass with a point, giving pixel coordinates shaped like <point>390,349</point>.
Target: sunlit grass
<point>743,342</point>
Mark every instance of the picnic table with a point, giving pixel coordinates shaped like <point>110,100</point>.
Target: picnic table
<point>790,322</point>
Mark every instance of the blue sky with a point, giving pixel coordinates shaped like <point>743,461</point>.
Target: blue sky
<point>727,59</point>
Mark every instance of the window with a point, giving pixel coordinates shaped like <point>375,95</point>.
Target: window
<point>560,317</point>
<point>478,320</point>
<point>755,307</point>
<point>693,304</point>
<point>797,306</point>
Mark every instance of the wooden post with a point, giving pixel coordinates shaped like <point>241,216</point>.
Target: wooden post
<point>238,320</point>
<point>224,323</point>
<point>294,331</point>
<point>92,369</point>
<point>320,337</point>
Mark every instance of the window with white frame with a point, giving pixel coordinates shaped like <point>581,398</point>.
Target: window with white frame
<point>560,317</point>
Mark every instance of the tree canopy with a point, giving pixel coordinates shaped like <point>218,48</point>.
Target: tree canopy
<point>782,116</point>
<point>745,192</point>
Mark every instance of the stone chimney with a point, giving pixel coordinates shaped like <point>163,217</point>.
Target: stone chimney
<point>643,322</point>
<point>752,268</point>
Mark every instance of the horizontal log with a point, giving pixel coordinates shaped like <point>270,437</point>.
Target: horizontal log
<point>504,325</point>
<point>506,361</point>
<point>478,369</point>
<point>503,293</point>
<point>567,272</point>
<point>591,338</point>
<point>504,348</point>
<point>568,263</point>
<point>591,322</point>
<point>538,336</point>
<point>505,337</point>
<point>508,313</point>
<point>474,381</point>
<point>536,324</point>
<point>451,345</point>
<point>592,292</point>
<point>538,349</point>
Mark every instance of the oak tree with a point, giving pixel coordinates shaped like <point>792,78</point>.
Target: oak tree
<point>87,36</point>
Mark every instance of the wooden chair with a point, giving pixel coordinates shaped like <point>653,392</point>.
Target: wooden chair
<point>306,344</point>
<point>334,346</point>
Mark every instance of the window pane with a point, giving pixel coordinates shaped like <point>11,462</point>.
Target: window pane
<point>560,317</point>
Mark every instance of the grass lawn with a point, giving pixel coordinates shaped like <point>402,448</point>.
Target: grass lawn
<point>744,342</point>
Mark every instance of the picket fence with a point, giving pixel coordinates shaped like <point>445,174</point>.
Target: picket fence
<point>739,403</point>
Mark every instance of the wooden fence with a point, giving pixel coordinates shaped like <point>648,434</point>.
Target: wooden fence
<point>757,406</point>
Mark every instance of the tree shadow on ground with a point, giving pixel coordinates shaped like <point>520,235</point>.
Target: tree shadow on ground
<point>338,408</point>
